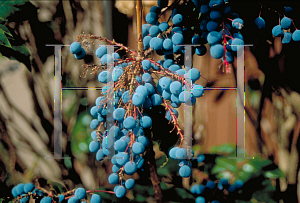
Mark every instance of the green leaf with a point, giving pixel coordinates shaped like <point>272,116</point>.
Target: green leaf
<point>177,194</point>
<point>3,39</point>
<point>18,52</point>
<point>161,161</point>
<point>171,167</point>
<point>7,8</point>
<point>140,198</point>
<point>223,149</point>
<point>59,188</point>
<point>258,162</point>
<point>229,164</point>
<point>21,49</point>
<point>277,173</point>
<point>5,29</point>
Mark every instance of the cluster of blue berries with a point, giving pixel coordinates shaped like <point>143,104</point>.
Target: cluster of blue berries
<point>283,30</point>
<point>25,191</point>
<point>200,190</point>
<point>213,29</point>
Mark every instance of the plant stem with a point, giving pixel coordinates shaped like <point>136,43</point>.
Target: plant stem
<point>139,11</point>
<point>150,153</point>
<point>153,174</point>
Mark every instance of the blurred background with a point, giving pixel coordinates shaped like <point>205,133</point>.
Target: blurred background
<point>27,94</point>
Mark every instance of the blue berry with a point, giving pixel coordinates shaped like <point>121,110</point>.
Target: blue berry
<point>214,37</point>
<point>129,184</point>
<point>238,184</point>
<point>146,122</point>
<point>94,124</point>
<point>285,23</point>
<point>146,77</point>
<point>20,189</point>
<point>287,37</point>
<point>212,26</point>
<point>100,155</point>
<point>197,90</point>
<point>156,43</point>
<point>80,55</point>
<point>211,185</point>
<point>165,82</point>
<point>177,19</point>
<point>231,188</point>
<point>138,99</point>
<point>144,140</point>
<point>200,50</point>
<point>72,200</point>
<point>217,51</point>
<point>113,179</point>
<point>119,114</point>
<point>138,148</point>
<point>235,42</point>
<point>80,193</point>
<point>75,48</point>
<point>28,187</point>
<point>174,67</point>
<point>204,9</point>
<point>14,191</point>
<point>154,31</point>
<point>172,152</point>
<point>146,64</point>
<point>130,168</point>
<point>163,26</point>
<point>200,199</point>
<point>296,35</point>
<point>120,145</point>
<point>101,51</point>
<point>167,44</point>
<point>46,200</point>
<point>94,146</point>
<point>237,23</point>
<point>122,158</point>
<point>120,191</point>
<point>177,39</point>
<point>215,15</point>
<point>156,100</point>
<point>129,122</point>
<point>151,18</point>
<point>104,77</point>
<point>185,171</point>
<point>146,42</point>
<point>260,22</point>
<point>61,198</point>
<point>96,198</point>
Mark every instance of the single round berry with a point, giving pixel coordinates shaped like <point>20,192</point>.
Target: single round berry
<point>130,168</point>
<point>146,122</point>
<point>200,199</point>
<point>260,22</point>
<point>20,189</point>
<point>75,48</point>
<point>185,171</point>
<point>61,198</point>
<point>129,184</point>
<point>129,122</point>
<point>46,200</point>
<point>113,179</point>
<point>138,148</point>
<point>94,146</point>
<point>80,193</point>
<point>120,192</point>
<point>285,23</point>
<point>28,187</point>
<point>96,198</point>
